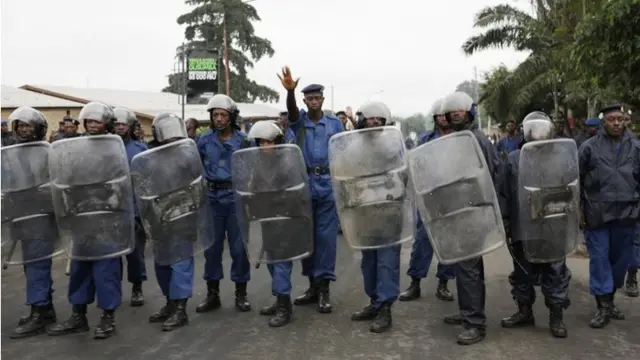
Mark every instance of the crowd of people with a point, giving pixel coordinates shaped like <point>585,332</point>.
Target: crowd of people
<point>607,207</point>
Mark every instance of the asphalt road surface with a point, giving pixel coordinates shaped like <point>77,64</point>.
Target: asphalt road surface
<point>418,331</point>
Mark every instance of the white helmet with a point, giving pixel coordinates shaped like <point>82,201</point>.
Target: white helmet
<point>265,130</point>
<point>537,126</point>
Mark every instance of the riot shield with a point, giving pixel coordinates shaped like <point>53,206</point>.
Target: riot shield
<point>369,175</point>
<point>93,196</point>
<point>456,198</point>
<point>170,190</point>
<point>273,203</point>
<point>549,199</point>
<point>27,210</point>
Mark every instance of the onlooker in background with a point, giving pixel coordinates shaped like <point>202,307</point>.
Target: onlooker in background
<point>58,134</point>
<point>510,142</point>
<point>346,118</point>
<point>590,129</point>
<point>192,126</point>
<point>283,121</point>
<point>68,116</point>
<point>559,124</point>
<point>71,128</point>
<point>138,132</point>
<point>7,136</point>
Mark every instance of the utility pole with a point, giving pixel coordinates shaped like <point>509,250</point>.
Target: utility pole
<point>185,77</point>
<point>225,53</point>
<point>476,94</point>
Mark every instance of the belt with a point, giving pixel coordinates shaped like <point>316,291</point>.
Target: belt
<point>218,185</point>
<point>319,170</point>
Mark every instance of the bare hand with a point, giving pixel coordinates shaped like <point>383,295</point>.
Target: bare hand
<point>287,80</point>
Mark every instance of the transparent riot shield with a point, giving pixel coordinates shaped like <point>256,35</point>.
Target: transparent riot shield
<point>273,203</point>
<point>369,174</point>
<point>170,190</point>
<point>93,196</point>
<point>29,229</point>
<point>456,197</point>
<point>549,199</point>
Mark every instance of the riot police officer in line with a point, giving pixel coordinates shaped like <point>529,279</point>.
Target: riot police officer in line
<point>25,170</point>
<point>542,165</point>
<point>216,146</point>
<point>124,127</point>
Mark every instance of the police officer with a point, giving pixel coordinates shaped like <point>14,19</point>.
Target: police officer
<point>609,184</point>
<point>380,267</point>
<point>421,250</point>
<point>216,146</point>
<point>458,110</point>
<point>30,125</point>
<point>90,278</point>
<point>136,268</point>
<point>283,122</point>
<point>590,129</point>
<point>510,142</point>
<point>554,276</point>
<point>313,129</point>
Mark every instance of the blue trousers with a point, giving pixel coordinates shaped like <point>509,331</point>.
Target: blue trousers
<point>422,255</point>
<point>102,277</point>
<point>39,282</point>
<point>636,247</point>
<point>322,264</point>
<point>136,267</point>
<point>610,255</point>
<point>176,281</point>
<point>226,223</point>
<point>280,278</point>
<point>381,274</point>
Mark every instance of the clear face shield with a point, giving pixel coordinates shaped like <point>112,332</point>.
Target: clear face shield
<point>538,129</point>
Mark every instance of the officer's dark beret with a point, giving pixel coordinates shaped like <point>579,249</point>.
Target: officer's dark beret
<point>311,88</point>
<point>592,122</point>
<point>341,113</point>
<point>611,108</point>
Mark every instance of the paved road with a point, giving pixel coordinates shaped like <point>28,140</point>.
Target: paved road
<point>418,330</point>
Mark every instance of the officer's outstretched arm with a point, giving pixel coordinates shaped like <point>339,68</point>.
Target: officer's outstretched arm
<point>292,106</point>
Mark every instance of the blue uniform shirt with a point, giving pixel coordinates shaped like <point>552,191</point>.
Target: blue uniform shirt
<point>508,143</point>
<point>290,137</point>
<point>216,160</point>
<point>133,148</point>
<point>316,148</point>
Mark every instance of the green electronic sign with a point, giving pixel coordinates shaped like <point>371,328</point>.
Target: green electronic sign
<point>202,74</point>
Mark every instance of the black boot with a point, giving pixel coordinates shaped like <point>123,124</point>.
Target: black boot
<point>309,297</point>
<point>382,322</point>
<point>212,301</point>
<point>522,318</point>
<point>49,314</point>
<point>137,297</point>
<point>369,312</point>
<point>324,301</point>
<point>443,292</point>
<point>242,304</point>
<point>471,336</point>
<point>163,314</point>
<point>614,312</point>
<point>107,325</point>
<point>269,310</point>
<point>76,323</point>
<point>36,323</point>
<point>632,283</point>
<point>179,316</point>
<point>602,317</point>
<point>556,325</point>
<point>412,292</point>
<point>454,319</point>
<point>283,311</point>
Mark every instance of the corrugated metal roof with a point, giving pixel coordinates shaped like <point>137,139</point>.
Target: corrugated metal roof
<point>151,103</point>
<point>13,97</point>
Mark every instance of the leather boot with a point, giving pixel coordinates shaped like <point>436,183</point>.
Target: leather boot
<point>137,297</point>
<point>163,314</point>
<point>212,301</point>
<point>602,316</point>
<point>614,312</point>
<point>49,314</point>
<point>242,304</point>
<point>471,336</point>
<point>283,312</point>
<point>369,312</point>
<point>309,297</point>
<point>382,322</point>
<point>178,318</point>
<point>107,325</point>
<point>36,324</point>
<point>524,317</point>
<point>324,301</point>
<point>632,283</point>
<point>412,292</point>
<point>269,310</point>
<point>556,325</point>
<point>76,323</point>
<point>453,319</point>
<point>442,292</point>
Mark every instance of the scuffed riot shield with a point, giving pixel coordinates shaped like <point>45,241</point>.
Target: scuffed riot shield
<point>170,190</point>
<point>273,203</point>
<point>27,210</point>
<point>549,199</point>
<point>456,198</point>
<point>369,174</point>
<point>93,196</point>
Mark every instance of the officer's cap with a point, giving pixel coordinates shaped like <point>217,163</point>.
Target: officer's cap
<point>313,88</point>
<point>611,108</point>
<point>592,122</point>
